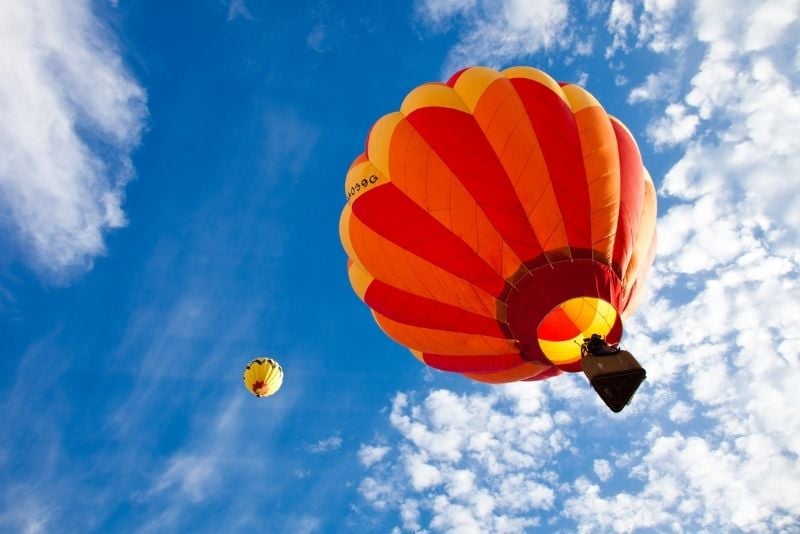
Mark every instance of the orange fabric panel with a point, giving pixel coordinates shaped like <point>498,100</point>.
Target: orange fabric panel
<point>443,341</point>
<point>390,213</point>
<point>631,197</point>
<point>637,288</point>
<point>457,139</point>
<point>419,172</point>
<point>501,116</point>
<point>556,132</point>
<point>601,165</point>
<point>645,235</point>
<point>396,266</point>
<point>521,372</point>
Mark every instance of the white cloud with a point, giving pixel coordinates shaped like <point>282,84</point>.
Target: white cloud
<point>486,472</point>
<point>657,86</point>
<point>602,468</point>
<point>70,115</point>
<point>494,32</point>
<point>657,24</point>
<point>330,444</point>
<point>661,25</point>
<point>369,454</point>
<point>620,20</point>
<point>676,126</point>
<point>680,412</point>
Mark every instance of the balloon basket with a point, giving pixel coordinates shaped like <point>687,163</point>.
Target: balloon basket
<point>615,377</point>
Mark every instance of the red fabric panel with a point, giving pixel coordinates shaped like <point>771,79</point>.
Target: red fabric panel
<point>390,213</point>
<point>558,326</point>
<point>458,140</point>
<point>454,78</point>
<point>473,364</point>
<point>631,199</point>
<point>557,132</point>
<point>410,309</point>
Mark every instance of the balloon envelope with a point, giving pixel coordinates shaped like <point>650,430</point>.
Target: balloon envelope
<point>263,377</point>
<point>496,220</point>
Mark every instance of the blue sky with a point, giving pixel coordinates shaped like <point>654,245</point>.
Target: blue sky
<point>171,177</point>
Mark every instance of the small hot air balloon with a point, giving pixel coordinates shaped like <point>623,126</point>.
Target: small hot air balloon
<point>263,377</point>
<point>497,224</point>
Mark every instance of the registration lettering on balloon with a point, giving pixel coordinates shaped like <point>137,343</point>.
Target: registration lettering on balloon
<point>361,185</point>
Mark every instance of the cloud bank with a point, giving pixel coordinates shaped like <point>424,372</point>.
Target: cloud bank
<point>70,116</point>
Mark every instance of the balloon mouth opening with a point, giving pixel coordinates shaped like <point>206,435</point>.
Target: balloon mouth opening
<point>260,389</point>
<point>563,329</point>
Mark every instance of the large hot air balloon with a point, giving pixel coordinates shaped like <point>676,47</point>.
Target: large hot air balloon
<point>497,222</point>
<point>263,377</point>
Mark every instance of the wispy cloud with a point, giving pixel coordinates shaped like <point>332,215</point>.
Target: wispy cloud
<point>70,116</point>
<point>492,33</point>
<point>659,25</point>
<point>333,443</point>
<point>237,9</point>
<point>289,143</point>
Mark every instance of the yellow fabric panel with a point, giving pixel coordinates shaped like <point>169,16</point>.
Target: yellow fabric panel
<point>562,352</point>
<point>443,341</point>
<point>502,117</point>
<point>601,162</point>
<point>432,95</point>
<point>579,98</point>
<point>397,267</point>
<point>520,372</point>
<point>472,83</point>
<point>344,235</point>
<point>419,172</point>
<point>537,76</point>
<point>359,279</point>
<point>380,139</point>
<point>644,236</point>
<point>587,312</point>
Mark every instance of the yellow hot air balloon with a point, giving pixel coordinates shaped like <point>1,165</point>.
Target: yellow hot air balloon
<point>263,377</point>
